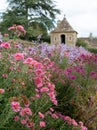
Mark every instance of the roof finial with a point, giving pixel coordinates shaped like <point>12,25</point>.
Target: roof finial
<point>64,16</point>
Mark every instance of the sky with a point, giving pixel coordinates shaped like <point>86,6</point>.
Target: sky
<point>81,14</point>
<point>3,5</point>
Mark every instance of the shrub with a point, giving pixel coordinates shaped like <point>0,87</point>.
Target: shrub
<point>81,43</point>
<point>93,50</point>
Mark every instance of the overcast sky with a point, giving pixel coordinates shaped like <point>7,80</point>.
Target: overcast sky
<point>3,5</point>
<point>81,14</point>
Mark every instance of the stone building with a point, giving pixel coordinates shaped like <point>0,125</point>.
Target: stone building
<point>63,33</point>
<point>91,41</point>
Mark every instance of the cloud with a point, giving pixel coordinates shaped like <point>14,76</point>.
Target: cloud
<point>3,5</point>
<point>81,14</point>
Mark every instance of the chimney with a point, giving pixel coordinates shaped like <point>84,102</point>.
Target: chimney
<point>91,36</point>
<point>58,23</point>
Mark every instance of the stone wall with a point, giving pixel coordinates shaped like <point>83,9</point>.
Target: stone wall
<point>70,38</point>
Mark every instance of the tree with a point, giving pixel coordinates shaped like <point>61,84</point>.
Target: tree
<point>26,12</point>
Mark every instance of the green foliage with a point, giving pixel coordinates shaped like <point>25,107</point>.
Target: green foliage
<point>93,50</point>
<point>58,124</point>
<point>65,96</point>
<point>81,43</point>
<point>77,97</point>
<point>30,13</point>
<point>35,29</point>
<point>46,38</point>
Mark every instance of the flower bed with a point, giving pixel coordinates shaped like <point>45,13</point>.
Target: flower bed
<point>47,87</point>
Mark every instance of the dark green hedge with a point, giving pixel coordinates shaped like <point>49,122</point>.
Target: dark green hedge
<point>93,50</point>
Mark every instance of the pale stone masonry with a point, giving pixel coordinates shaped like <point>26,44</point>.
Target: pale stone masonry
<point>63,33</point>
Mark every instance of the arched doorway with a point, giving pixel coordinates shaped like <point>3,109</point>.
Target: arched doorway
<point>63,39</point>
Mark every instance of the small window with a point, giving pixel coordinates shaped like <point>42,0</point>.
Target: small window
<point>70,38</point>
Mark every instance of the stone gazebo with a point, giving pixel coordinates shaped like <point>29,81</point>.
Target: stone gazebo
<point>63,33</point>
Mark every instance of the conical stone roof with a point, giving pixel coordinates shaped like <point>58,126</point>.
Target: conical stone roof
<point>63,26</point>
